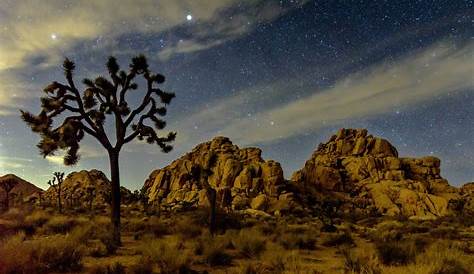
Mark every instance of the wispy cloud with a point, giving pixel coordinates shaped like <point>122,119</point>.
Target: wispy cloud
<point>29,28</point>
<point>414,78</point>
<point>87,151</point>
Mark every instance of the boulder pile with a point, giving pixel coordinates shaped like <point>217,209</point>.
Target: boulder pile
<point>366,168</point>
<point>241,177</point>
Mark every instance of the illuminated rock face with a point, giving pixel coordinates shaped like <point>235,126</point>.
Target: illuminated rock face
<point>78,187</point>
<point>364,166</point>
<point>362,170</point>
<point>241,177</point>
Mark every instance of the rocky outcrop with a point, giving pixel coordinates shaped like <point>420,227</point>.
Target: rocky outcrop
<point>79,188</point>
<point>241,178</point>
<point>22,191</point>
<point>467,193</point>
<point>368,168</point>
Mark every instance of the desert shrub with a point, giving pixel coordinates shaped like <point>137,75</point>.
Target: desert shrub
<point>212,249</point>
<point>267,228</point>
<point>252,268</point>
<point>446,258</point>
<point>445,232</point>
<point>387,231</point>
<point>249,243</point>
<point>97,249</point>
<point>278,260</point>
<point>344,238</point>
<point>43,255</point>
<point>360,262</point>
<point>142,267</point>
<point>396,252</point>
<point>59,224</point>
<point>146,226</point>
<point>187,228</point>
<point>297,241</point>
<point>37,218</point>
<point>109,243</point>
<point>167,254</point>
<point>215,255</point>
<point>116,268</point>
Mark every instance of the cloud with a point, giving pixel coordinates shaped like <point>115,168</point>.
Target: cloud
<point>12,163</point>
<point>412,79</point>
<point>221,28</point>
<point>86,151</point>
<point>29,29</point>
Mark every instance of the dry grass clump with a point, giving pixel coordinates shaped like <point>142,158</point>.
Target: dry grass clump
<point>249,243</point>
<point>43,255</point>
<point>37,218</point>
<point>298,241</point>
<point>58,225</point>
<point>445,258</point>
<point>338,239</point>
<point>213,249</point>
<point>116,268</point>
<point>397,252</point>
<point>146,226</point>
<point>361,261</point>
<point>168,255</point>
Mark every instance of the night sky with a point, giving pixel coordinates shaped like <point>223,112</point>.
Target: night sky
<point>280,75</point>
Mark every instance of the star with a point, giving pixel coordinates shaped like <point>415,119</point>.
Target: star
<point>189,17</point>
<point>54,36</point>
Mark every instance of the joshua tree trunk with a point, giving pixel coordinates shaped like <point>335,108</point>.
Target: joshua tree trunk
<point>211,194</point>
<point>115,201</point>
<point>60,209</point>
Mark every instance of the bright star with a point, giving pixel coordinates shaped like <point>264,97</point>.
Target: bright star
<point>54,36</point>
<point>189,17</point>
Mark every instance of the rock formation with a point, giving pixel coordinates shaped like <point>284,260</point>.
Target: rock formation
<point>367,168</point>
<point>241,178</point>
<point>467,193</point>
<point>79,188</point>
<point>22,191</point>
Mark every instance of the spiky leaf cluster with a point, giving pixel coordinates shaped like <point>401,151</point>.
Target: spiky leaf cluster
<point>87,111</point>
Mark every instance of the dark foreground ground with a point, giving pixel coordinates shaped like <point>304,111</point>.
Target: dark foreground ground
<point>42,241</point>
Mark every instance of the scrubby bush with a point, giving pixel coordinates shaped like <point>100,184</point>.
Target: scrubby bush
<point>116,268</point>
<point>59,224</point>
<point>167,254</point>
<point>344,238</point>
<point>249,243</point>
<point>43,255</point>
<point>215,255</point>
<point>37,218</point>
<point>444,257</point>
<point>396,252</point>
<point>360,262</point>
<point>297,241</point>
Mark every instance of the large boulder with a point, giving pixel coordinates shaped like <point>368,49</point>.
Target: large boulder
<point>240,176</point>
<point>363,166</point>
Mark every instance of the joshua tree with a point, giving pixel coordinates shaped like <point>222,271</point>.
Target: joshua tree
<point>56,184</point>
<point>7,185</point>
<point>90,196</point>
<point>200,174</point>
<point>87,112</point>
